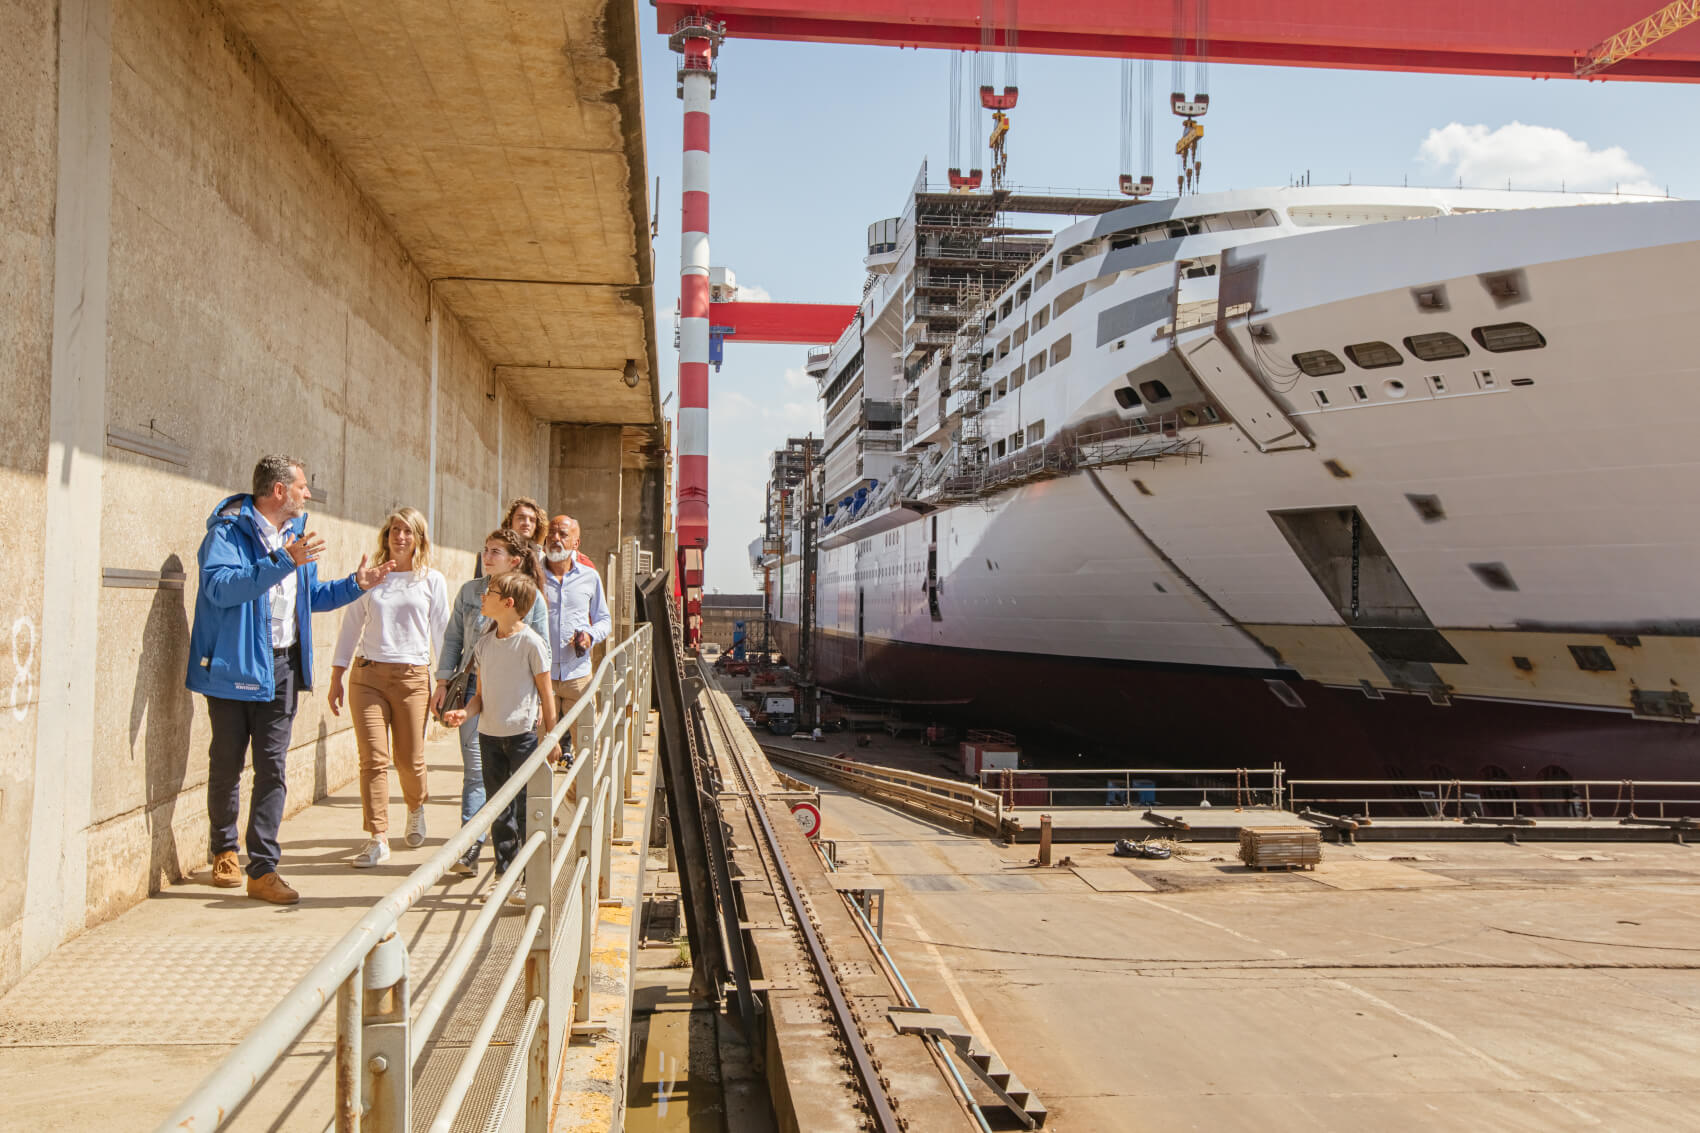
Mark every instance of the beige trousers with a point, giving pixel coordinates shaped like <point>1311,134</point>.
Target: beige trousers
<point>567,694</point>
<point>388,701</point>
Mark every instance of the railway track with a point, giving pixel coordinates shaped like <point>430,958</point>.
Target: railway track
<point>721,731</point>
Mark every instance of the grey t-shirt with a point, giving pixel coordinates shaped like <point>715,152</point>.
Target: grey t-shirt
<point>507,672</point>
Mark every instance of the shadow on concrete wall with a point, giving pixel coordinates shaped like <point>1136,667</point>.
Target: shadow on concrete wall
<point>321,763</point>
<point>161,711</point>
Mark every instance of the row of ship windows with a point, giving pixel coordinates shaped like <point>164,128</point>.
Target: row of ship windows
<point>1435,346</point>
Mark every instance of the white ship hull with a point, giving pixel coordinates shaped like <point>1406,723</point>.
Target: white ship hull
<point>1528,521</point>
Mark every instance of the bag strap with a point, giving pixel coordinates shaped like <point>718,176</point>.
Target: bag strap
<point>471,658</point>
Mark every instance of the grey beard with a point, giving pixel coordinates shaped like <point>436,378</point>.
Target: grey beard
<point>558,556</point>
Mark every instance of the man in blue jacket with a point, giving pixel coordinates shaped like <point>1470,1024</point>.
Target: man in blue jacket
<point>251,653</point>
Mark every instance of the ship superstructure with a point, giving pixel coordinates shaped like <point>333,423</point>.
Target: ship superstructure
<point>1345,473</point>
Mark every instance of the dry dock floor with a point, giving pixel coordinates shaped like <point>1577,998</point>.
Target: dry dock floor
<point>1460,986</point>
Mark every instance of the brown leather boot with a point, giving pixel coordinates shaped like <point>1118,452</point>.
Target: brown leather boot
<point>273,889</point>
<point>227,874</point>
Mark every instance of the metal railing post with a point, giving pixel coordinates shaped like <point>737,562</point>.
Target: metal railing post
<point>386,1077</point>
<point>540,890</point>
<point>608,695</point>
<point>583,850</point>
<point>625,676</point>
<point>350,1099</point>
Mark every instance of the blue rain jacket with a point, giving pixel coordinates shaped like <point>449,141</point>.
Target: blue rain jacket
<point>230,646</point>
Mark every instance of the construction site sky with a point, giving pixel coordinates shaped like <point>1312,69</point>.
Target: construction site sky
<point>813,142</point>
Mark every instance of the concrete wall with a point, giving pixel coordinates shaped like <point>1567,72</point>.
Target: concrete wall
<point>28,138</point>
<point>585,483</point>
<point>222,286</point>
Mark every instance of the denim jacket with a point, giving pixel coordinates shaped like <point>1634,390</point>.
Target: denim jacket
<point>466,624</point>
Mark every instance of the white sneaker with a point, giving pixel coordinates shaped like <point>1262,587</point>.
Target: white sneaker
<point>376,851</point>
<point>517,897</point>
<point>416,827</point>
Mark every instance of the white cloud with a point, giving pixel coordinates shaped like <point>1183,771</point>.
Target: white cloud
<point>753,293</point>
<point>1531,157</point>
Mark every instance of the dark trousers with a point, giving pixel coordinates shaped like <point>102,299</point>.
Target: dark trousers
<point>265,726</point>
<point>502,756</point>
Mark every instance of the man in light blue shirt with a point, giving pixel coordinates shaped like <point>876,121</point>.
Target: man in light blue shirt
<point>578,611</point>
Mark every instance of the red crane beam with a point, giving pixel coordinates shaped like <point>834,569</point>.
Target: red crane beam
<point>1534,38</point>
<point>807,323</point>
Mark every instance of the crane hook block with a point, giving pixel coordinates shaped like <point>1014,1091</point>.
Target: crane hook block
<point>1195,107</point>
<point>1139,188</point>
<point>993,101</point>
<point>958,181</point>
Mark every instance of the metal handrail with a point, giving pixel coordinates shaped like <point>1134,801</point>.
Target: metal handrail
<point>1135,786</point>
<point>366,972</point>
<point>964,801</point>
<point>1454,799</point>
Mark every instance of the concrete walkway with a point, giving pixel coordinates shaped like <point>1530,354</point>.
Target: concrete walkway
<point>119,1025</point>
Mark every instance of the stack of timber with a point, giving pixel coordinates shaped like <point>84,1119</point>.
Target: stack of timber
<point>1280,847</point>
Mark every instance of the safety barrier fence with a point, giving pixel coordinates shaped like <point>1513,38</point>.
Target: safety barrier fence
<point>1127,787</point>
<point>963,801</point>
<point>1608,800</point>
<point>573,818</point>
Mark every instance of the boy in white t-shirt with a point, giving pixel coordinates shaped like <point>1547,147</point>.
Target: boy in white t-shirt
<point>513,689</point>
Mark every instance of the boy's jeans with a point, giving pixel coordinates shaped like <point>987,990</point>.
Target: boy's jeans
<point>501,756</point>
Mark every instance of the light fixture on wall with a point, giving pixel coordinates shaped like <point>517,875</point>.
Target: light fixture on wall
<point>630,373</point>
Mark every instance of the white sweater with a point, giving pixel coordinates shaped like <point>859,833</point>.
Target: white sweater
<point>401,620</point>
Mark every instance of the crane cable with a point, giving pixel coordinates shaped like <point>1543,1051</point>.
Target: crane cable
<point>956,111</point>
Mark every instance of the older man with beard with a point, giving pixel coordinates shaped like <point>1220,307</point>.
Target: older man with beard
<point>578,610</point>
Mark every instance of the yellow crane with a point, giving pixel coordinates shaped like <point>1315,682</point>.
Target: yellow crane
<point>1187,150</point>
<point>1635,38</point>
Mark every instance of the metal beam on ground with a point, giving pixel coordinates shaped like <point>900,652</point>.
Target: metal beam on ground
<point>684,794</point>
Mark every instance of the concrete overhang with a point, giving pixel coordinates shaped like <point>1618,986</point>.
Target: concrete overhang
<point>504,141</point>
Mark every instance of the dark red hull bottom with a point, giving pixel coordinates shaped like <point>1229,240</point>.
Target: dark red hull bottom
<point>1135,715</point>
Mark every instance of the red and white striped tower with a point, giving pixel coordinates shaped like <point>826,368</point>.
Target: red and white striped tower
<point>697,39</point>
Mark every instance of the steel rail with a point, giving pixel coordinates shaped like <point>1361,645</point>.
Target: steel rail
<point>876,1093</point>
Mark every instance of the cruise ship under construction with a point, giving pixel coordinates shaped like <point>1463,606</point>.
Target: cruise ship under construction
<point>1369,481</point>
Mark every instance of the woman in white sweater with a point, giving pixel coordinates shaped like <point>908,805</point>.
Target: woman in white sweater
<point>389,635</point>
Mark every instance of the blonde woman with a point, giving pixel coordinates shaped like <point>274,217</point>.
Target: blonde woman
<point>388,636</point>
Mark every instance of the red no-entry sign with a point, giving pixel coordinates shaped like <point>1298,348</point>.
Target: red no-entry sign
<point>808,818</point>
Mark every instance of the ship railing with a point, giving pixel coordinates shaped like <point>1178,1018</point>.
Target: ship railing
<point>1627,801</point>
<point>1129,788</point>
<point>1030,191</point>
<point>973,806</point>
<point>1144,439</point>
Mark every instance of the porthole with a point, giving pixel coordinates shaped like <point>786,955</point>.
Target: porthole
<point>1154,390</point>
<point>1436,346</point>
<point>1374,355</point>
<point>1502,338</point>
<point>1393,388</point>
<point>1126,397</point>
<point>1318,363</point>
